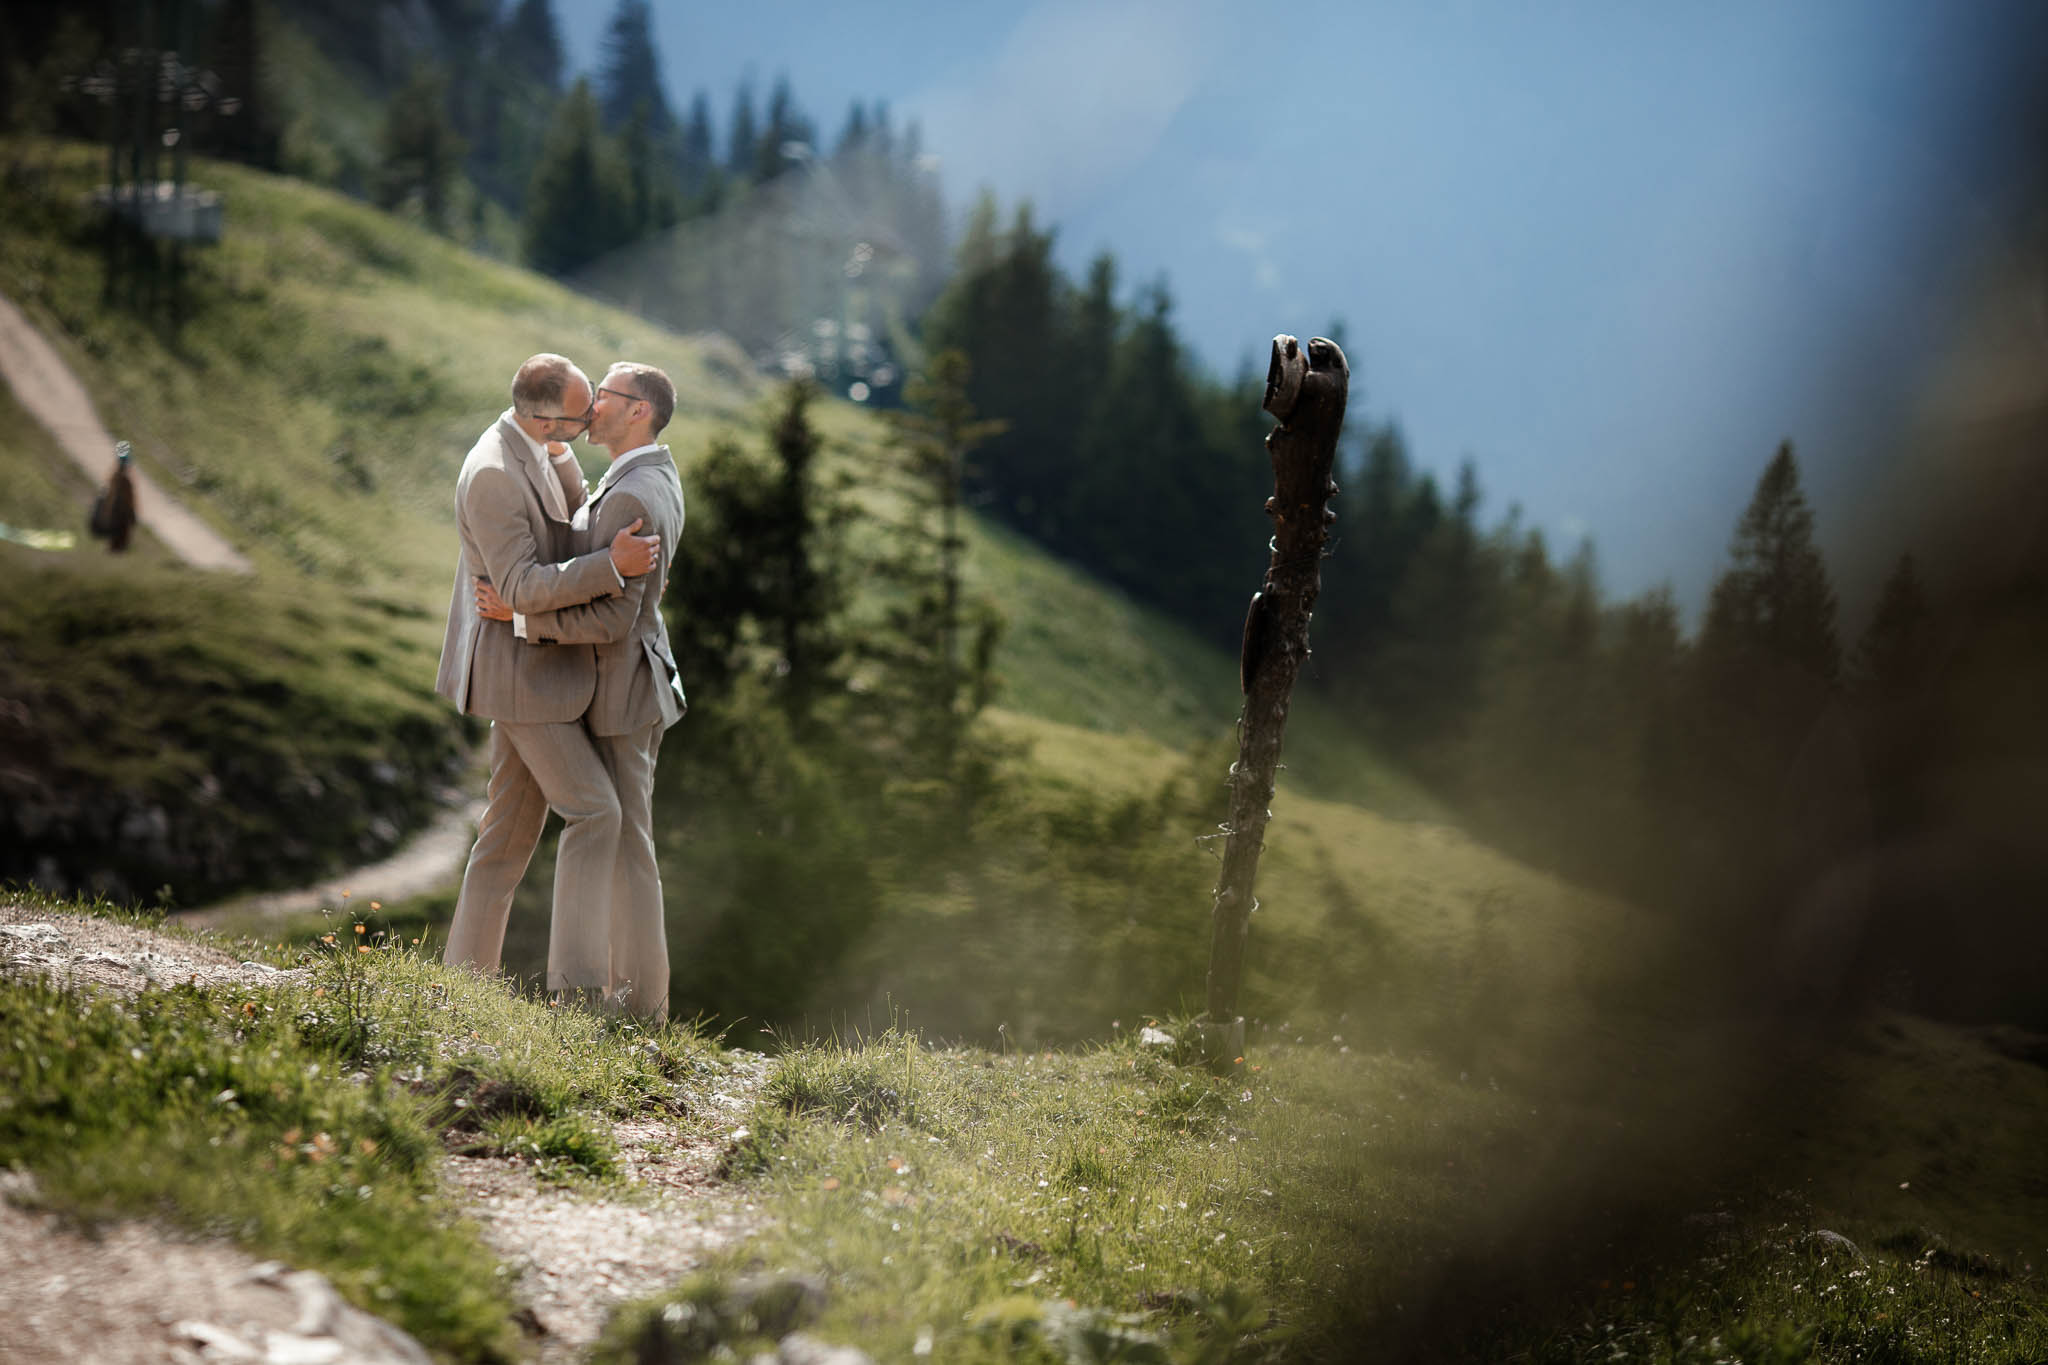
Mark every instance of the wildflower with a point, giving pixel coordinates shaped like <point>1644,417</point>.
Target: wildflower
<point>361,929</point>
<point>363,948</point>
<point>376,905</point>
<point>327,938</point>
<point>831,1182</point>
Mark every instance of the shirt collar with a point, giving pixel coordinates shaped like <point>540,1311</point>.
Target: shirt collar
<point>639,450</point>
<point>533,447</point>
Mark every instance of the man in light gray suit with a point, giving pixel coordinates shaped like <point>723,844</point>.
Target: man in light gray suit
<point>513,507</point>
<point>638,695</point>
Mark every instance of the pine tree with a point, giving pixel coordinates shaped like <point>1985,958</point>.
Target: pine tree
<point>786,125</point>
<point>578,206</point>
<point>651,190</point>
<point>1775,602</point>
<point>697,158</point>
<point>743,135</point>
<point>808,594</point>
<point>1375,538</point>
<point>1893,655</point>
<point>1429,672</point>
<point>1005,318</point>
<point>419,152</point>
<point>759,585</point>
<point>630,70</point>
<point>1762,675</point>
<point>531,43</point>
<point>939,678</point>
<point>854,135</point>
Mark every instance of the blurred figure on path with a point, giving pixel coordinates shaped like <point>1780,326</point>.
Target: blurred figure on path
<point>638,692</point>
<point>113,510</point>
<point>514,502</point>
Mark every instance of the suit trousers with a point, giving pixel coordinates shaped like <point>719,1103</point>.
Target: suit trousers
<point>534,767</point>
<point>639,938</point>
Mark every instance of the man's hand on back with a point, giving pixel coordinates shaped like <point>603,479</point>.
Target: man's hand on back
<point>489,605</point>
<point>633,555</point>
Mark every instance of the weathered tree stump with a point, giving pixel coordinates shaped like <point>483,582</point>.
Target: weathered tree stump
<point>1305,391</point>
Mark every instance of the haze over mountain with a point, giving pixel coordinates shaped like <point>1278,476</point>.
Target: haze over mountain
<point>1612,255</point>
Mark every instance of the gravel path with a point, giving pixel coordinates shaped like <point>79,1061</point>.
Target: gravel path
<point>579,1257</point>
<point>428,861</point>
<point>133,1293</point>
<point>53,395</point>
<point>141,1293</point>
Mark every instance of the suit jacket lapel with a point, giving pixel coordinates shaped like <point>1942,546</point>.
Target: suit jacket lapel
<point>617,470</point>
<point>519,457</point>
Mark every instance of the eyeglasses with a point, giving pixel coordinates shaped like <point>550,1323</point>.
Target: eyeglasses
<point>582,421</point>
<point>629,397</point>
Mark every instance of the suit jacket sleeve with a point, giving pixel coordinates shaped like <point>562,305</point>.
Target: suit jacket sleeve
<point>504,538</point>
<point>607,619</point>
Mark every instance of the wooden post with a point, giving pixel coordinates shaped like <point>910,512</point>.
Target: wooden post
<point>1305,391</point>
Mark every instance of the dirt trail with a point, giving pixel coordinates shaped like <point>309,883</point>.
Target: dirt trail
<point>143,1293</point>
<point>46,387</point>
<point>427,861</point>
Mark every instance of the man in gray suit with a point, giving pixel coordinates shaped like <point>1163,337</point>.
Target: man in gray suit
<point>638,695</point>
<point>513,507</point>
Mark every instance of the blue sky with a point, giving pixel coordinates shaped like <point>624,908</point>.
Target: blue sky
<point>1611,252</point>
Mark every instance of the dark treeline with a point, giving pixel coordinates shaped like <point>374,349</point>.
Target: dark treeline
<point>815,248</point>
<point>1787,783</point>
<point>1117,451</point>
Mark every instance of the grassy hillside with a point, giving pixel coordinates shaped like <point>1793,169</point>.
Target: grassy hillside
<point>315,405</point>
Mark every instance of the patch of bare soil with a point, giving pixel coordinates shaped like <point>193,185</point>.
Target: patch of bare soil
<point>128,1293</point>
<point>89,951</point>
<point>133,1293</point>
<point>581,1254</point>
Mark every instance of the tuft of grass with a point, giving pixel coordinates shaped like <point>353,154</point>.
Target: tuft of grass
<point>561,1148</point>
<point>866,1085</point>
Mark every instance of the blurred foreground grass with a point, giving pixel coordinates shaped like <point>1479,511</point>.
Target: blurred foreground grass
<point>1330,1200</point>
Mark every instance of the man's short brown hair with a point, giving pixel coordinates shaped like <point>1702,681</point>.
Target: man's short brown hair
<point>541,380</point>
<point>652,385</point>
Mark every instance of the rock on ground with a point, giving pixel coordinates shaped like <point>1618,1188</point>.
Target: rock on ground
<point>133,1293</point>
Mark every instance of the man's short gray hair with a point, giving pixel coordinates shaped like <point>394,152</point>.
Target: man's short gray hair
<point>652,385</point>
<point>541,380</point>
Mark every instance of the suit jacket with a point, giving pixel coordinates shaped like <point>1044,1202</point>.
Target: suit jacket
<point>536,564</point>
<point>636,669</point>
